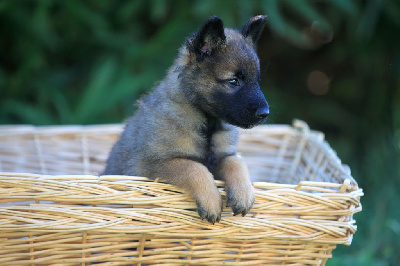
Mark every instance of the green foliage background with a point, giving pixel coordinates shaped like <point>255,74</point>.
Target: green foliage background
<point>87,61</point>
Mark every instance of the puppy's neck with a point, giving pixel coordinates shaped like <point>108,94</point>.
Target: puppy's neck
<point>211,126</point>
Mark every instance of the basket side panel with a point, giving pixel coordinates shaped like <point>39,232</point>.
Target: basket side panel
<point>72,248</point>
<point>57,150</point>
<point>20,154</point>
<point>318,162</point>
<point>270,153</point>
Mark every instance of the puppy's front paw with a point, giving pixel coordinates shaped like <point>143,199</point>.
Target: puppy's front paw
<point>240,197</point>
<point>209,206</point>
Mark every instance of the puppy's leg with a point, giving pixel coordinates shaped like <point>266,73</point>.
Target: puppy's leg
<point>240,192</point>
<point>199,182</point>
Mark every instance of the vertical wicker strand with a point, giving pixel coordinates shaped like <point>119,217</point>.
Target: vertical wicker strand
<point>240,252</point>
<point>84,238</point>
<point>345,185</point>
<point>39,152</point>
<point>343,189</point>
<point>329,252</point>
<point>141,248</point>
<point>286,256</point>
<point>85,153</point>
<point>31,249</point>
<point>191,250</point>
<point>312,169</point>
<point>281,154</point>
<point>305,130</point>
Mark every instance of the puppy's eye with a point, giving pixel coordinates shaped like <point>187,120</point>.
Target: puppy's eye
<point>234,82</point>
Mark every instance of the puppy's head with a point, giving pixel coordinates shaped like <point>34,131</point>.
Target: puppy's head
<point>222,72</point>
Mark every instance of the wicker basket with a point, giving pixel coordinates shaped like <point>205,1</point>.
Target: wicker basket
<point>54,209</point>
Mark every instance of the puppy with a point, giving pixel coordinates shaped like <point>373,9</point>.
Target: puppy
<point>185,130</point>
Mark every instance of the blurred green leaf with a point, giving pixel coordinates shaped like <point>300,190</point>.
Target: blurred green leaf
<point>41,23</point>
<point>28,113</point>
<point>274,16</point>
<point>83,13</point>
<point>159,10</point>
<point>349,7</point>
<point>96,95</point>
<point>306,9</point>
<point>392,10</point>
<point>129,9</point>
<point>370,18</point>
<point>283,28</point>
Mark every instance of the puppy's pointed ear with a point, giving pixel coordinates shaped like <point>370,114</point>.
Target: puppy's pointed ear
<point>210,37</point>
<point>254,28</point>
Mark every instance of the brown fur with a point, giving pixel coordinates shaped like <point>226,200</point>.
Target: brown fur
<point>183,132</point>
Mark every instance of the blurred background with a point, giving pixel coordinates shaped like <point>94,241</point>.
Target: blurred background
<point>333,63</point>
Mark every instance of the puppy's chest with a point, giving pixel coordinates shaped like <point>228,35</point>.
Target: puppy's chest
<point>217,143</point>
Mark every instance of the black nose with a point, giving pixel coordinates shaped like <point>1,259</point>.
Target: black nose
<point>262,113</point>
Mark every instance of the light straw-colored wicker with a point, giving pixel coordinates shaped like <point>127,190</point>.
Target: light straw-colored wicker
<point>54,209</point>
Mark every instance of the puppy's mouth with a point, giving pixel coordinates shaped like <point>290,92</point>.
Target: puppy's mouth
<point>246,125</point>
<point>249,126</point>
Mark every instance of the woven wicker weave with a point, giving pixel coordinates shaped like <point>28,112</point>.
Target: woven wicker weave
<point>54,209</point>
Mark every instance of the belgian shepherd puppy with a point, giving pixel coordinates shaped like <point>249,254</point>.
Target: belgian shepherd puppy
<point>185,130</point>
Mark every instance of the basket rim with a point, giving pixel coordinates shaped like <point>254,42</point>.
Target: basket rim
<point>346,186</point>
<point>49,195</point>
